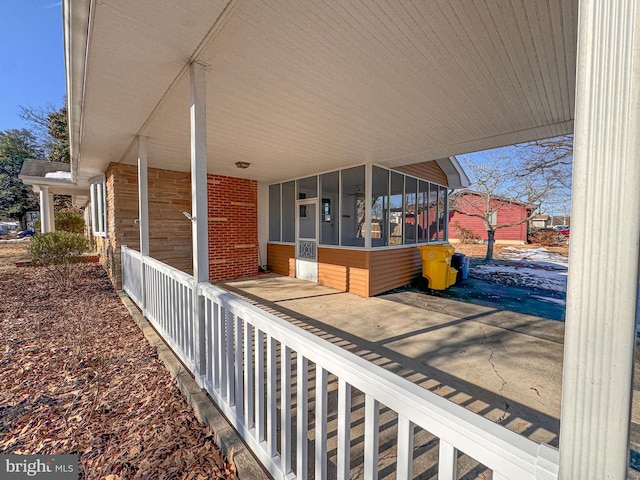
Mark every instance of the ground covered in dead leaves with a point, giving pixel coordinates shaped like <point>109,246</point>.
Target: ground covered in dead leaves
<point>78,376</point>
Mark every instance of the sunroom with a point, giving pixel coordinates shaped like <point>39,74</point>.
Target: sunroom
<point>356,229</point>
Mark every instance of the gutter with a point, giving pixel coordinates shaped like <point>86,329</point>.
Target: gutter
<point>77,18</point>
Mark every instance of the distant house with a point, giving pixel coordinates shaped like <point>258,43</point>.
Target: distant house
<point>540,221</point>
<point>465,217</point>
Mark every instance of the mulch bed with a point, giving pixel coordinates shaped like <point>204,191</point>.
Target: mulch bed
<point>78,376</point>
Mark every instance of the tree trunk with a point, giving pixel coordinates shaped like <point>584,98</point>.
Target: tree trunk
<point>490,241</point>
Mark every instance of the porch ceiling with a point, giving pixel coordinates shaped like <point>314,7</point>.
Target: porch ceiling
<point>296,87</point>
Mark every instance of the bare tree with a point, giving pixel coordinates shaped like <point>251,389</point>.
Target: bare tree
<point>552,156</point>
<point>49,125</point>
<point>497,183</point>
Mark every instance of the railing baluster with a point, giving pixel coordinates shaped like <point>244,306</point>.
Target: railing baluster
<point>175,309</point>
<point>285,408</point>
<point>165,305</point>
<point>215,356</point>
<point>222,351</point>
<point>272,404</point>
<point>447,462</point>
<point>321,423</point>
<point>259,386</point>
<point>208,341</point>
<point>371,434</point>
<point>344,430</point>
<point>229,363</point>
<point>178,323</point>
<point>190,326</point>
<point>405,448</point>
<point>248,376</point>
<point>302,448</point>
<point>238,373</point>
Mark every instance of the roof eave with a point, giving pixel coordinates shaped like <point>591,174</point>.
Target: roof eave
<point>456,176</point>
<point>75,47</point>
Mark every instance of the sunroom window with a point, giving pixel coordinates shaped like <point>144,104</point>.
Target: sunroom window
<point>403,209</point>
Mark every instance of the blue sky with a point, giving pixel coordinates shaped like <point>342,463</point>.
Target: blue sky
<point>31,58</point>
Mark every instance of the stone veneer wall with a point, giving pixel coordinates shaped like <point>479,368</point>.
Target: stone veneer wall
<point>233,230</point>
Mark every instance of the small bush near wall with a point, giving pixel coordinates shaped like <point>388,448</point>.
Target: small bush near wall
<point>465,235</point>
<point>58,252</point>
<point>544,237</point>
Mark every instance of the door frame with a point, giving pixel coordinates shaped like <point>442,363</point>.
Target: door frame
<point>305,262</point>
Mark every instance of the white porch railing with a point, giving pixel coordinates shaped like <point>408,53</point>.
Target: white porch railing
<point>253,360</point>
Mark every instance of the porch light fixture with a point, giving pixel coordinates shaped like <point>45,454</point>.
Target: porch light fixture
<point>242,165</point>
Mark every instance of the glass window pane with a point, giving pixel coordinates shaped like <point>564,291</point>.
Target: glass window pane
<point>329,208</point>
<point>307,219</point>
<point>433,212</point>
<point>379,207</point>
<point>442,210</point>
<point>423,211</point>
<point>308,187</point>
<point>274,213</point>
<point>410,198</point>
<point>396,212</point>
<point>353,207</point>
<point>289,212</point>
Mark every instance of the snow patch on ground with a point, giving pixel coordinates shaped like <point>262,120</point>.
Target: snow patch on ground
<point>534,254</point>
<point>538,268</point>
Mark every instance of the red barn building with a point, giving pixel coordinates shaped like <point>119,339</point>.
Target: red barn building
<point>509,215</point>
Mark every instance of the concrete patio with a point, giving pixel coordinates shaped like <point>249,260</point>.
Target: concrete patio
<point>503,365</point>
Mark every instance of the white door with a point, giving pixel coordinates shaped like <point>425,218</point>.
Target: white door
<point>307,240</point>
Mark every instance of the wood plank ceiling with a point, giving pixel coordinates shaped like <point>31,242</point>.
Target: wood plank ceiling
<point>297,87</point>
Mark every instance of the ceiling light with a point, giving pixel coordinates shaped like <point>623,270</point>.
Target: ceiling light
<point>242,164</point>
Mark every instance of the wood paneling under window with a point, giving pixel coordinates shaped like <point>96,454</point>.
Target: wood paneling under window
<point>281,259</point>
<point>393,268</point>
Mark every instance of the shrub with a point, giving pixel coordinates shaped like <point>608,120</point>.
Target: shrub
<point>465,235</point>
<point>59,252</point>
<point>69,221</point>
<point>66,221</point>
<point>545,237</point>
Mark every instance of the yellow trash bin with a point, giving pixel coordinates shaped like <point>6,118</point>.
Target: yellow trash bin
<point>436,265</point>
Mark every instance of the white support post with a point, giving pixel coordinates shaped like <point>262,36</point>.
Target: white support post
<point>143,214</point>
<point>605,228</point>
<point>368,176</point>
<point>45,208</point>
<point>52,216</point>
<point>199,217</point>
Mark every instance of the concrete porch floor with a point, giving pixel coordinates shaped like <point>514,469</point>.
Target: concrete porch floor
<point>503,365</point>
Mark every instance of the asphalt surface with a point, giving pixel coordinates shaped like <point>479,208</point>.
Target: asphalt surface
<point>526,300</point>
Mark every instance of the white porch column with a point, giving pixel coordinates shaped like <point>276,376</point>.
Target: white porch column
<point>45,210</point>
<point>143,196</point>
<point>605,228</point>
<point>199,212</point>
<point>143,214</point>
<point>52,216</point>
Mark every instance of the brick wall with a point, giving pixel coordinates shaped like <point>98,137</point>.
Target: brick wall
<point>233,226</point>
